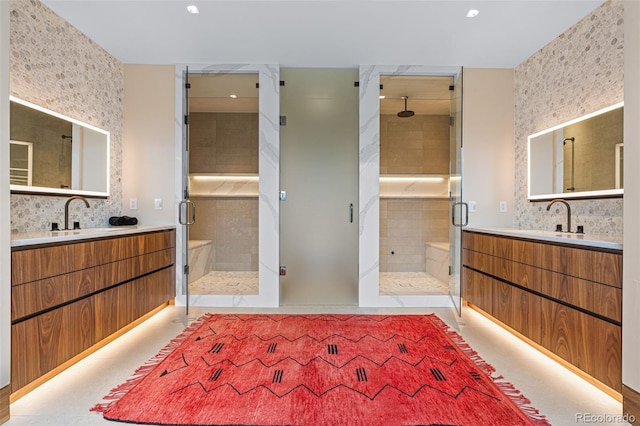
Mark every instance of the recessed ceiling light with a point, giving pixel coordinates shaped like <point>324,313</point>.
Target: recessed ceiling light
<point>382,96</point>
<point>233,96</point>
<point>192,8</point>
<point>472,13</point>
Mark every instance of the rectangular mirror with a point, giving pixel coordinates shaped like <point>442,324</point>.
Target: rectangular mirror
<point>582,158</point>
<point>54,154</point>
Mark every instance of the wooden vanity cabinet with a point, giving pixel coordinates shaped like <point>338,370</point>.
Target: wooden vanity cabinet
<point>567,299</point>
<point>66,298</point>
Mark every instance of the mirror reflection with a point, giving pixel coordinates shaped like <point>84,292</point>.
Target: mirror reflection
<point>582,158</point>
<point>54,154</point>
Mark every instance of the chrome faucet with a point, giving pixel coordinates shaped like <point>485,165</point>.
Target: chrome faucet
<point>560,200</point>
<point>66,209</point>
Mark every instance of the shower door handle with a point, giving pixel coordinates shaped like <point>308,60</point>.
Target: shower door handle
<point>186,204</point>
<point>351,213</point>
<point>453,213</point>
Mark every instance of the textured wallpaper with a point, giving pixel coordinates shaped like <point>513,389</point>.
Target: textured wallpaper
<point>56,66</point>
<point>579,72</point>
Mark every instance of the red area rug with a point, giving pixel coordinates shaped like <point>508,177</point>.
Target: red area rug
<point>318,370</point>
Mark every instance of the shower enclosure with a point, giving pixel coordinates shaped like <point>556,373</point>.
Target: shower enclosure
<point>414,184</point>
<point>223,184</point>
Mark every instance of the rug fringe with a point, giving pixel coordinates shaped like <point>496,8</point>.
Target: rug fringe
<point>118,392</point>
<point>506,387</point>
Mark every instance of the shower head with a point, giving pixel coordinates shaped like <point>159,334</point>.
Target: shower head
<point>406,113</point>
<point>572,139</point>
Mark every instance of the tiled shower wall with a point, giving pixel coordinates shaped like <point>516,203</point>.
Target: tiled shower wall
<point>232,225</point>
<point>223,143</point>
<point>579,72</point>
<point>406,225</point>
<point>416,145</point>
<point>57,67</point>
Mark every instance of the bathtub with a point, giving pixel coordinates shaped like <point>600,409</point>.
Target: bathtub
<point>200,253</point>
<point>437,260</point>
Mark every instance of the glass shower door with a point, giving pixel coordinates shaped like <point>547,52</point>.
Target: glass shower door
<point>222,179</point>
<point>186,207</point>
<point>459,209</point>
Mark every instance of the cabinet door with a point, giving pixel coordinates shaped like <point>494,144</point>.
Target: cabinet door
<point>42,343</point>
<point>517,308</point>
<point>592,345</point>
<point>477,289</point>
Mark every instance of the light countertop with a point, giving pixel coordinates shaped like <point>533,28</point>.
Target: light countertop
<point>590,240</point>
<point>20,239</point>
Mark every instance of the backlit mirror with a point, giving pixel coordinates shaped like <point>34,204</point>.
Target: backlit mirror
<point>582,158</point>
<point>54,154</point>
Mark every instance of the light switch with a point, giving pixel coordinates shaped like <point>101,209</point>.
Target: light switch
<point>472,206</point>
<point>133,204</point>
<point>157,203</point>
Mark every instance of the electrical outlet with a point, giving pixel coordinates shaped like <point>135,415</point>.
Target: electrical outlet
<point>157,203</point>
<point>503,207</point>
<point>133,204</point>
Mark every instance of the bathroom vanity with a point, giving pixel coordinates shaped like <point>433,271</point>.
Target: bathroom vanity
<point>71,292</point>
<point>560,292</point>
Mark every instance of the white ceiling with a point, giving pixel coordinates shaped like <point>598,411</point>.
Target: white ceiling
<point>324,33</point>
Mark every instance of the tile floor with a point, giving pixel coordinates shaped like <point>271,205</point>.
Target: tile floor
<point>226,282</point>
<point>246,282</point>
<point>410,283</point>
<point>66,399</point>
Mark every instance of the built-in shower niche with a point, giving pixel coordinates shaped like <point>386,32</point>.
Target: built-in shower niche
<point>414,186</point>
<point>223,184</point>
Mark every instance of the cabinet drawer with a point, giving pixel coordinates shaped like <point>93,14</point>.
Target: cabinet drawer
<point>37,296</point>
<point>114,249</point>
<point>124,270</point>
<point>35,264</point>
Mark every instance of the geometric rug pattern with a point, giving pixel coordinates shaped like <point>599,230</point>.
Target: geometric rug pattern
<point>318,370</point>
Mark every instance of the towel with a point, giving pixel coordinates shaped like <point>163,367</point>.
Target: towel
<point>122,221</point>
